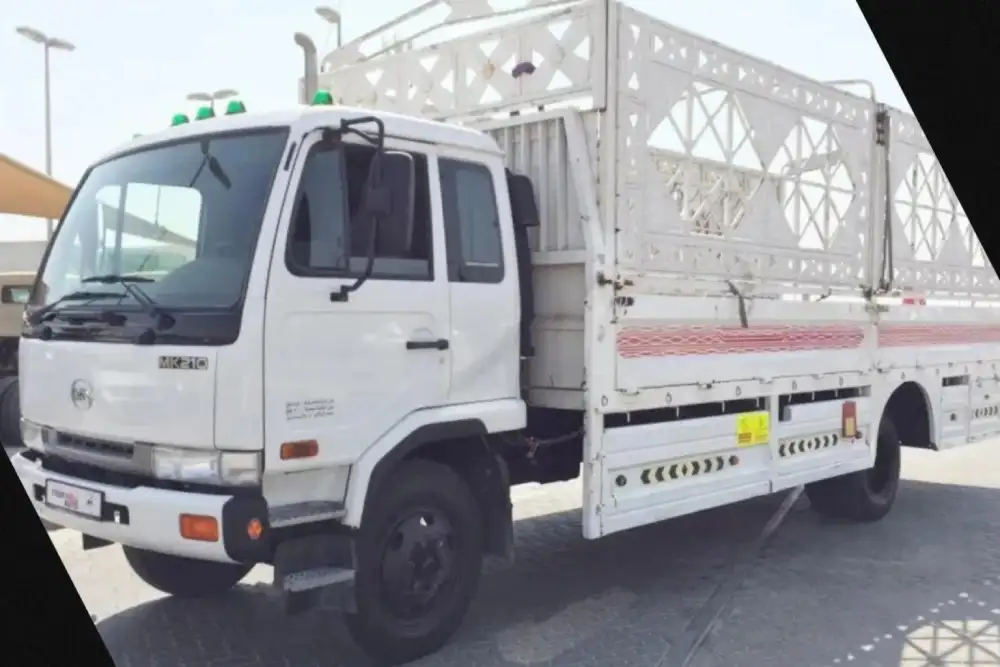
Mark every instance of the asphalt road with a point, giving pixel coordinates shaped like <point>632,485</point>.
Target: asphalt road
<point>919,588</point>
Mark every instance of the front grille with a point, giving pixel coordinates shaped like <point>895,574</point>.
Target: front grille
<point>91,446</point>
<point>90,473</point>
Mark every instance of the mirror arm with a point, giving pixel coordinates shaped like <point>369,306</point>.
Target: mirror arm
<point>378,141</point>
<point>340,296</point>
<point>374,181</point>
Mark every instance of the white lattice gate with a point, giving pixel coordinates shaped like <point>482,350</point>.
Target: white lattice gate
<point>734,168</point>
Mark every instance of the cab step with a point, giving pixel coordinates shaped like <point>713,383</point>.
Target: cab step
<point>315,571</point>
<point>327,588</point>
<point>307,580</point>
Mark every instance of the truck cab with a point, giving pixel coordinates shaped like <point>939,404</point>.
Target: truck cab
<point>330,291</point>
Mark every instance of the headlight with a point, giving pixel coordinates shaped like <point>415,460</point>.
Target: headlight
<point>200,467</point>
<point>32,435</point>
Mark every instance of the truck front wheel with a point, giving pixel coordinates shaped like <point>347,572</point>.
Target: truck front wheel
<point>184,577</point>
<point>419,558</point>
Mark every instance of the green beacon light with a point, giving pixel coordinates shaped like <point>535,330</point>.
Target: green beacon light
<point>178,119</point>
<point>205,113</point>
<point>322,98</point>
<point>235,107</point>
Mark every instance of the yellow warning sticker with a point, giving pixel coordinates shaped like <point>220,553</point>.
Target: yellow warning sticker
<point>753,428</point>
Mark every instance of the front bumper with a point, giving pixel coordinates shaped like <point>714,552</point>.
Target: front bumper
<point>149,518</point>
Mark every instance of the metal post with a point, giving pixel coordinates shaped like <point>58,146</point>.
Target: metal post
<point>47,43</point>
<point>49,223</point>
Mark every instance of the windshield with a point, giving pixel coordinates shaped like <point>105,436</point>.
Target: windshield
<point>184,217</point>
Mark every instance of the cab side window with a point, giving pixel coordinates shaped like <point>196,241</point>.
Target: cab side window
<point>472,222</point>
<point>329,235</point>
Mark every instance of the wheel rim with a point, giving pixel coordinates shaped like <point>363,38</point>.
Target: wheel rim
<point>418,563</point>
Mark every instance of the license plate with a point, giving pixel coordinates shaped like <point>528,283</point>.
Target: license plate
<point>753,429</point>
<point>73,499</point>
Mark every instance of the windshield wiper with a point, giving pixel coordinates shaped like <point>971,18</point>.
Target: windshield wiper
<point>214,167</point>
<point>128,282</point>
<point>48,312</point>
<point>163,321</point>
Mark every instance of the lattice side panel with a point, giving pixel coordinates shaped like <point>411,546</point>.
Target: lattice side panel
<point>936,250</point>
<point>734,168</point>
<point>538,150</point>
<point>470,75</point>
<point>433,22</point>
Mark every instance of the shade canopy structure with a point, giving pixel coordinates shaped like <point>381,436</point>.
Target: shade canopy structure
<point>133,225</point>
<point>25,191</point>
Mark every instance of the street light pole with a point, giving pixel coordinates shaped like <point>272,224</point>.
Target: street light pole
<point>333,17</point>
<point>212,98</point>
<point>48,120</point>
<point>47,43</point>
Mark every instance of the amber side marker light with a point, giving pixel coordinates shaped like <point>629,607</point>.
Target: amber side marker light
<point>302,449</point>
<point>199,528</point>
<point>849,420</point>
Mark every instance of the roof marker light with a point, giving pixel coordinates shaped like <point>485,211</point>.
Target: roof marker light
<point>322,98</point>
<point>179,119</point>
<point>234,107</point>
<point>205,113</point>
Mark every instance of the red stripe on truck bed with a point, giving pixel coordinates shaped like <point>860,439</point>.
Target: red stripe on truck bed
<point>673,341</point>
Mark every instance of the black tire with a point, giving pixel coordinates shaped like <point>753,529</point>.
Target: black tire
<point>439,500</point>
<point>10,415</point>
<point>866,495</point>
<point>184,577</point>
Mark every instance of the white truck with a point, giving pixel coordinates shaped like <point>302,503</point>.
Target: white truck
<point>570,241</point>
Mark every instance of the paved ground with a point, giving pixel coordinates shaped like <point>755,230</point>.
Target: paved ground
<point>920,588</point>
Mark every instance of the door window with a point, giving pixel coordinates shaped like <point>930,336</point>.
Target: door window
<point>472,222</point>
<point>328,237</point>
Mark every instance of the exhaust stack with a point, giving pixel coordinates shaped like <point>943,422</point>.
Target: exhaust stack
<point>310,79</point>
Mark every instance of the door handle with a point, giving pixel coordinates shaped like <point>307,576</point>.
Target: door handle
<point>439,344</point>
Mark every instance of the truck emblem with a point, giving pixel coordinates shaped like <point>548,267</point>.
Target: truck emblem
<point>82,394</point>
<point>184,363</point>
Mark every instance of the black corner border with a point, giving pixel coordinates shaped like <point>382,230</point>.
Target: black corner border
<point>945,58</point>
<point>47,622</point>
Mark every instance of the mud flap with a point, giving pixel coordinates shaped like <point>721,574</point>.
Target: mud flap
<point>90,542</point>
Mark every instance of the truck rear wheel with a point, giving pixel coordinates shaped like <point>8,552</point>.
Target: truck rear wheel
<point>184,577</point>
<point>419,559</point>
<point>867,495</point>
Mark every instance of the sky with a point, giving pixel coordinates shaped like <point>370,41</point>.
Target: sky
<point>135,62</point>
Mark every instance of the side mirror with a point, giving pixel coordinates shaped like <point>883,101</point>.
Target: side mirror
<point>389,196</point>
<point>523,205</point>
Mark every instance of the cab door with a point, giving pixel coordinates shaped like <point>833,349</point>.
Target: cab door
<point>485,305</point>
<point>343,372</point>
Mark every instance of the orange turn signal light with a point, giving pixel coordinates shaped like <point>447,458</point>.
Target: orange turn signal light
<point>199,528</point>
<point>301,449</point>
